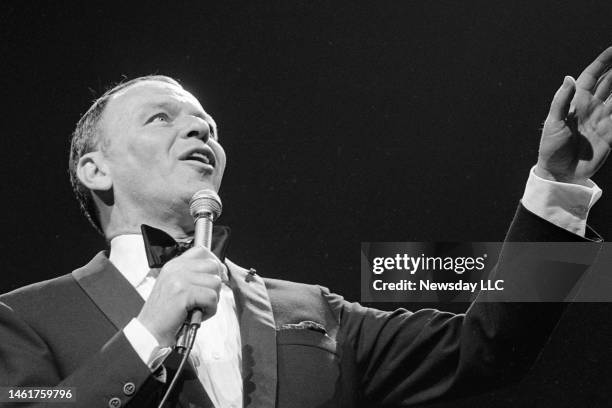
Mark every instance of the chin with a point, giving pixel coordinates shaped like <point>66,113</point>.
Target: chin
<point>187,193</point>
<point>204,186</point>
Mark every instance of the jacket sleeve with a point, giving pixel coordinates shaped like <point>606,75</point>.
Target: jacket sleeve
<point>100,381</point>
<point>406,358</point>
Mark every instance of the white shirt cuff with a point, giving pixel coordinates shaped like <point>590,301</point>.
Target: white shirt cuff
<point>145,344</point>
<point>563,204</point>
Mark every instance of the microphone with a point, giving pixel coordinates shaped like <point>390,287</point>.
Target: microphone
<point>205,207</point>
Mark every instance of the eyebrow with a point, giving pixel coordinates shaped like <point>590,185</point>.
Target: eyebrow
<point>169,106</point>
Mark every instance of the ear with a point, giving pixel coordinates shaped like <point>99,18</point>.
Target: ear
<point>93,172</point>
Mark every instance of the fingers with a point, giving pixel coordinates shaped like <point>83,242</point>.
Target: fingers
<point>191,280</point>
<point>560,105</point>
<point>590,76</point>
<point>192,288</point>
<point>604,87</point>
<point>199,252</point>
<point>202,254</point>
<point>206,280</point>
<point>205,299</point>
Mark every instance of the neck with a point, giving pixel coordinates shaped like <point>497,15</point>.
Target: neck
<point>178,227</point>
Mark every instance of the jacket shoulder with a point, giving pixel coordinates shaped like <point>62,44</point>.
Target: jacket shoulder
<point>34,301</point>
<point>45,289</point>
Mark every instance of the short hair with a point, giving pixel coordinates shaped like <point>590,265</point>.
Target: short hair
<point>86,138</point>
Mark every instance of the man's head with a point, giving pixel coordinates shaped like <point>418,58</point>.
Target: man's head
<point>140,152</point>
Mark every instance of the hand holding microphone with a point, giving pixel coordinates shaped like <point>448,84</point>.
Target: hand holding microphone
<point>189,282</point>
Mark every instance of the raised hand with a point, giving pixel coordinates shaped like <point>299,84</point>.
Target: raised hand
<point>577,133</point>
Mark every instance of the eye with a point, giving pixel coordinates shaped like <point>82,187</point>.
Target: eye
<point>159,117</point>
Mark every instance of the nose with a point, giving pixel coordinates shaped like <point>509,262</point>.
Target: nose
<point>199,128</point>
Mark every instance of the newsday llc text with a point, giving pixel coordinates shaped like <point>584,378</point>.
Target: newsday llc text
<point>407,285</point>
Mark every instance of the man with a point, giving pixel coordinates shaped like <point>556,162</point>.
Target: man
<point>107,329</point>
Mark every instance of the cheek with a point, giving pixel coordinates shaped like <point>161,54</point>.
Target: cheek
<point>222,161</point>
<point>140,164</point>
<point>142,153</point>
<point>220,166</point>
<point>220,156</point>
<point>152,158</point>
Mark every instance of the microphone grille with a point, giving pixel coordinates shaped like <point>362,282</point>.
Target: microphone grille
<point>205,201</point>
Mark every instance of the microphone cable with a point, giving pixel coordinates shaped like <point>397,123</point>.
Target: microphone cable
<point>193,329</point>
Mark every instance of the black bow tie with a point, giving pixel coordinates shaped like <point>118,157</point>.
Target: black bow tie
<point>161,247</point>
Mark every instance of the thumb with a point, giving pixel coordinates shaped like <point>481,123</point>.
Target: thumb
<point>560,104</point>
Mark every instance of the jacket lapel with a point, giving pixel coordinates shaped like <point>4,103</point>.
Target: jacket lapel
<point>120,302</point>
<point>258,335</point>
<point>109,290</point>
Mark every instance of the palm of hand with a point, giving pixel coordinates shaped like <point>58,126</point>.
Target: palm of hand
<point>577,134</point>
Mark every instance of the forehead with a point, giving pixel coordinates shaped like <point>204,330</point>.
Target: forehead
<point>141,95</point>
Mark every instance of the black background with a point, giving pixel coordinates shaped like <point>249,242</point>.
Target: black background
<point>342,122</point>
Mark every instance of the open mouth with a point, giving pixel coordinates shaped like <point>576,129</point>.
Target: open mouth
<point>202,156</point>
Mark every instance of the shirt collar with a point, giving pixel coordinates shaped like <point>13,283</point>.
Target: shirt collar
<point>127,253</point>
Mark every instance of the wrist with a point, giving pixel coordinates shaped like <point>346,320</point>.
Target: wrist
<point>145,344</point>
<point>541,172</point>
<point>162,338</point>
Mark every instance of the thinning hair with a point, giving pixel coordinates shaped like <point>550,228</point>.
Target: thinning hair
<point>87,138</point>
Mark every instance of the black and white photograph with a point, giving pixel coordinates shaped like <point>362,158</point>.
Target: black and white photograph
<point>300,204</point>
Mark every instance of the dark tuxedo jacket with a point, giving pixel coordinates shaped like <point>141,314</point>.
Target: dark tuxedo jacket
<point>302,345</point>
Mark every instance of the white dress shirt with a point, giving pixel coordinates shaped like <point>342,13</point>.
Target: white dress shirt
<point>216,354</point>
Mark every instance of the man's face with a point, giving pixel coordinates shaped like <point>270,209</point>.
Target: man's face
<point>162,148</point>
